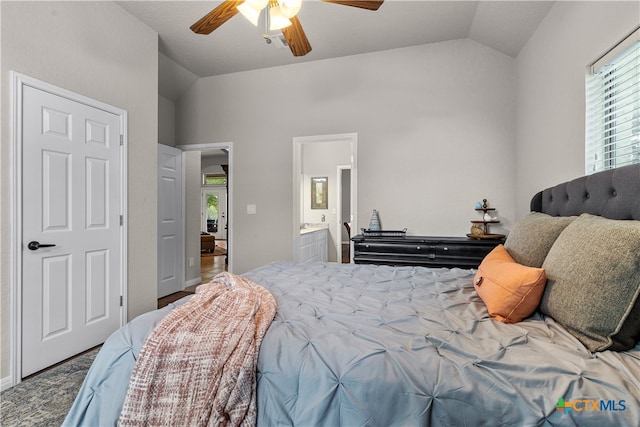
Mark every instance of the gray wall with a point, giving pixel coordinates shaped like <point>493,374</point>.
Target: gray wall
<point>97,50</point>
<point>436,133</point>
<point>551,99</point>
<point>166,121</point>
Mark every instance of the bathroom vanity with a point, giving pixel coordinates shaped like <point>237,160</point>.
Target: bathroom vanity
<point>314,243</point>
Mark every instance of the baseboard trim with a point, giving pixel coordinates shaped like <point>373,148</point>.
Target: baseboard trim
<point>6,383</point>
<point>192,282</point>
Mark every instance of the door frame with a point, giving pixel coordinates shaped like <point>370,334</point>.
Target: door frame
<point>340,225</point>
<point>18,82</point>
<point>298,143</point>
<point>230,181</point>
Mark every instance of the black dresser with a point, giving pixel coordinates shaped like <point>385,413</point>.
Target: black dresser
<point>461,252</point>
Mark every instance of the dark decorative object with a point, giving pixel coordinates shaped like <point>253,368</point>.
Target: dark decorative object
<point>480,229</point>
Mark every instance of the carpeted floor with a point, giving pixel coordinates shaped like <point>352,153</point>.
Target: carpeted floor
<point>44,399</point>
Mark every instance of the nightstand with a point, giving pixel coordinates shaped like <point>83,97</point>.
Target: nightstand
<point>426,251</point>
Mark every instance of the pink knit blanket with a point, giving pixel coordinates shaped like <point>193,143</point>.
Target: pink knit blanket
<point>198,366</point>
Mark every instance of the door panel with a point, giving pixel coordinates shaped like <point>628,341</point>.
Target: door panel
<point>97,192</point>
<point>71,199</point>
<point>56,181</point>
<point>97,283</point>
<point>170,223</point>
<point>168,267</point>
<point>56,288</point>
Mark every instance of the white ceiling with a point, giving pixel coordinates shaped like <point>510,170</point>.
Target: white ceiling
<point>333,31</point>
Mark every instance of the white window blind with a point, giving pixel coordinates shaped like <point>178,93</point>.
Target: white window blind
<point>613,108</point>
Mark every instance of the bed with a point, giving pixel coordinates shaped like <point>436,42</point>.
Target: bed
<point>367,345</point>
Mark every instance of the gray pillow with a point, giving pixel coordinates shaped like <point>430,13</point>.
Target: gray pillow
<point>533,235</point>
<point>593,287</point>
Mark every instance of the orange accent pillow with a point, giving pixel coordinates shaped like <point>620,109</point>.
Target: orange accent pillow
<point>511,291</point>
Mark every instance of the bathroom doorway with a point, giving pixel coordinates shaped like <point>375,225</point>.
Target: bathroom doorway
<point>325,155</point>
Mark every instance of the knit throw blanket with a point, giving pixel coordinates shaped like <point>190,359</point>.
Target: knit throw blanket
<point>198,366</point>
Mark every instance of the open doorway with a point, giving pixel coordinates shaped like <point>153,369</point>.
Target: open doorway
<point>322,156</point>
<point>214,165</point>
<point>214,162</point>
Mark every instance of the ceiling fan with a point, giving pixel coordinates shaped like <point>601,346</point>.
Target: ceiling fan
<point>281,14</point>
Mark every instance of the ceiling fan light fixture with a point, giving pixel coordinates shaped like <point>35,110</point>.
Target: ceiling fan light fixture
<point>251,9</point>
<point>288,22</point>
<point>290,8</point>
<point>250,13</point>
<point>277,20</point>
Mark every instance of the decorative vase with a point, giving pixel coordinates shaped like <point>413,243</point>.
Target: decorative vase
<point>477,230</point>
<point>374,224</point>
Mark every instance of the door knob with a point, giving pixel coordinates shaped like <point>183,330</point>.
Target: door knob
<point>34,245</point>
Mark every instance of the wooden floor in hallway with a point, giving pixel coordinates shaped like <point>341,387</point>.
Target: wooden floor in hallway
<point>210,265</point>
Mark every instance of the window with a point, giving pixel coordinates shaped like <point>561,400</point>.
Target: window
<point>613,108</point>
<point>212,212</point>
<point>214,179</point>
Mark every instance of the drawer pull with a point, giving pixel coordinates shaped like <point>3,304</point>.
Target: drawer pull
<point>417,248</point>
<point>446,248</point>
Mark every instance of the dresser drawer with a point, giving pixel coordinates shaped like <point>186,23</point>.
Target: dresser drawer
<point>422,251</point>
<point>463,250</point>
<point>416,248</point>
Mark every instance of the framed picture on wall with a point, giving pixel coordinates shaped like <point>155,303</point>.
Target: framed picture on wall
<point>319,190</point>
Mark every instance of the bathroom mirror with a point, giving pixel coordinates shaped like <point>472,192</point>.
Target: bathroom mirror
<point>319,193</point>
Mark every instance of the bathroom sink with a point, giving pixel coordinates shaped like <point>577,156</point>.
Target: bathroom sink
<point>309,227</point>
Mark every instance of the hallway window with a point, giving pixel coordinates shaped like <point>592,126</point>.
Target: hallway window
<point>214,179</point>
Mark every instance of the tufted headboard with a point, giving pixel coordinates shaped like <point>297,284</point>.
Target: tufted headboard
<point>612,194</point>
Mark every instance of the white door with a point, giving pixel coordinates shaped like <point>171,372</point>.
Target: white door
<point>214,211</point>
<point>170,224</point>
<point>71,201</point>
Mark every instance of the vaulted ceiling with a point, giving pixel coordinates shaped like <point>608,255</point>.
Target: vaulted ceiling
<point>333,31</point>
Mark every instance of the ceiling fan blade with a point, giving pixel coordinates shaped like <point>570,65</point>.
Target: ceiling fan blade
<point>363,4</point>
<point>296,38</point>
<point>216,17</point>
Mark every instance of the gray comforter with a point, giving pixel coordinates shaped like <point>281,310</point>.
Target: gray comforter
<point>356,345</point>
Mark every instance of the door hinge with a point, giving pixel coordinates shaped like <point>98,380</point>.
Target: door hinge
<point>121,139</point>
<point>121,220</point>
<point>121,300</point>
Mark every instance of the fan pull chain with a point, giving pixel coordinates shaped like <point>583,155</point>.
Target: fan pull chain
<point>267,22</point>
